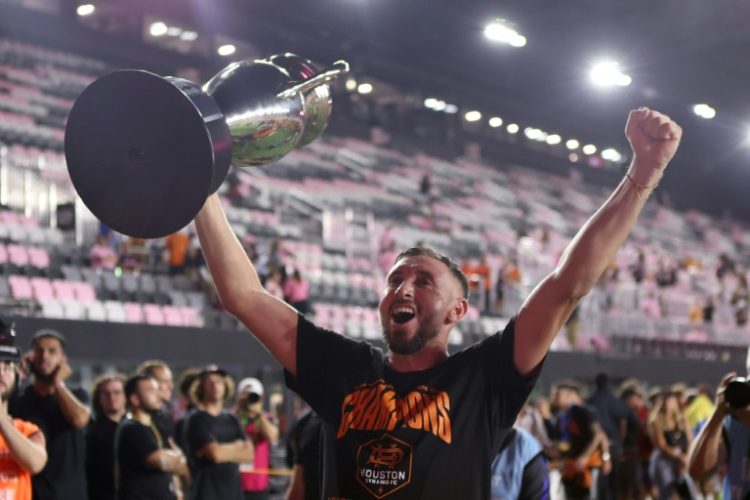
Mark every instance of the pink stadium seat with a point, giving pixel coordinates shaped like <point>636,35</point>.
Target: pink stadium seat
<point>20,287</point>
<point>84,292</point>
<point>134,312</point>
<point>17,255</point>
<point>172,316</point>
<point>63,290</point>
<point>39,258</point>
<point>153,314</point>
<point>41,289</point>
<point>190,316</point>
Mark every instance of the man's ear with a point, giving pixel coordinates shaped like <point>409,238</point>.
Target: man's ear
<point>459,310</point>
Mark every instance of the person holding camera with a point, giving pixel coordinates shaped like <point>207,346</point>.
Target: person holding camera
<point>261,431</point>
<point>725,441</point>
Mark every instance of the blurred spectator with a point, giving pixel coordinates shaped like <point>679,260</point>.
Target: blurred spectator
<point>708,310</point>
<point>187,405</point>
<point>61,414</point>
<point>135,254</point>
<point>22,444</point>
<point>520,471</point>
<point>741,300</point>
<point>261,431</point>
<point>584,445</point>
<point>699,410</point>
<point>297,292</point>
<point>215,440</point>
<point>146,460</point>
<point>102,255</point>
<point>612,415</point>
<point>725,266</point>
<point>671,436</point>
<point>638,269</point>
<point>723,444</point>
<point>176,246</point>
<point>108,401</point>
<point>500,288</point>
<point>303,456</point>
<point>632,480</point>
<point>274,284</point>
<point>159,371</point>
<point>531,420</point>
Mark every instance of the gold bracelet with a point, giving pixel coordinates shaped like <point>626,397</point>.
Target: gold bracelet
<point>638,185</point>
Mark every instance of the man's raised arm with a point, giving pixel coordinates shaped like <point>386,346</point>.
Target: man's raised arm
<point>272,321</point>
<point>654,138</point>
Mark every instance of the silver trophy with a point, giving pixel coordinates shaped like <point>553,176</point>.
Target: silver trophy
<point>144,151</point>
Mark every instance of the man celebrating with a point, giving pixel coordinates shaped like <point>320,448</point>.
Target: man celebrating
<point>60,413</point>
<point>416,422</point>
<point>22,450</point>
<point>146,462</point>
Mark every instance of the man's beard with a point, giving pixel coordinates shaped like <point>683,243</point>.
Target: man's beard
<point>406,347</point>
<point>45,378</point>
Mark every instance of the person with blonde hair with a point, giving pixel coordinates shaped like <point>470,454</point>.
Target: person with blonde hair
<point>671,436</point>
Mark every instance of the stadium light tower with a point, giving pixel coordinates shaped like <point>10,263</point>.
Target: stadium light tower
<point>85,9</point>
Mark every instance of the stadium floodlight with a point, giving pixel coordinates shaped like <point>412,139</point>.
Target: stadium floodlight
<point>226,50</point>
<point>472,116</point>
<point>364,88</point>
<point>611,154</point>
<point>85,9</point>
<point>572,144</point>
<point>608,74</point>
<point>430,103</point>
<point>553,139</point>
<point>189,36</point>
<point>495,122</point>
<point>158,29</point>
<point>513,128</point>
<point>704,111</point>
<point>451,109</point>
<point>500,31</point>
<point>589,149</point>
<point>174,31</point>
<point>351,84</point>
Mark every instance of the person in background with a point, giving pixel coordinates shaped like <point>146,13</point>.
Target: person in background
<point>297,292</point>
<point>176,246</point>
<point>520,470</point>
<point>671,436</point>
<point>261,431</point>
<point>159,371</point>
<point>108,400</point>
<point>102,255</point>
<point>22,444</point>
<point>303,457</point>
<point>186,404</point>
<point>62,415</point>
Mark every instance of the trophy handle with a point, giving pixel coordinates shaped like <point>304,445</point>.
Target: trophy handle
<point>334,71</point>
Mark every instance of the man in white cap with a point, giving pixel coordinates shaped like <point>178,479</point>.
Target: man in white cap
<point>261,431</point>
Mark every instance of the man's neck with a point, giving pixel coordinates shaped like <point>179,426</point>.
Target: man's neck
<point>212,408</point>
<point>115,416</point>
<point>141,416</point>
<point>425,358</point>
<point>43,388</point>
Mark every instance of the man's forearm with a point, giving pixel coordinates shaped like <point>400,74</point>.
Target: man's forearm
<point>75,412</point>
<point>30,456</point>
<point>704,452</point>
<point>232,271</point>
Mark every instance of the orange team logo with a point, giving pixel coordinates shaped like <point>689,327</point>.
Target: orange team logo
<point>384,465</point>
<point>375,406</point>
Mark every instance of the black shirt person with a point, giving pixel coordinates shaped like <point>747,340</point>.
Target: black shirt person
<point>60,413</point>
<point>146,463</point>
<point>215,440</point>
<point>416,422</point>
<point>108,397</point>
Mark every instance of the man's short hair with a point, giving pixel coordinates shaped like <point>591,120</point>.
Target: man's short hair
<point>98,385</point>
<point>421,251</point>
<point>131,385</point>
<point>46,333</point>
<point>570,385</point>
<point>151,366</point>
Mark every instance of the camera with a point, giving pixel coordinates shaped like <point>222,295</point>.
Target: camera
<point>253,398</point>
<point>737,392</point>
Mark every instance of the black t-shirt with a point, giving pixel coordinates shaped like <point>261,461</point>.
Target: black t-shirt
<point>163,421</point>
<point>100,458</point>
<point>303,448</point>
<point>610,412</point>
<point>427,434</point>
<point>212,481</point>
<point>134,443</point>
<point>64,476</point>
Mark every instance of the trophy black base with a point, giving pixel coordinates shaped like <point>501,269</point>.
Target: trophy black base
<point>144,152</point>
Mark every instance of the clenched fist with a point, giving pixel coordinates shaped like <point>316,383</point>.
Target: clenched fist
<point>654,138</point>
